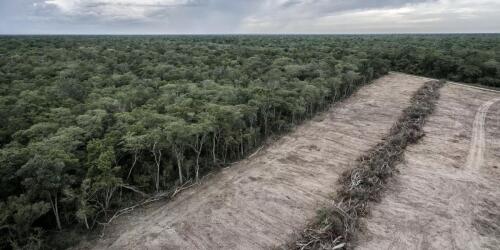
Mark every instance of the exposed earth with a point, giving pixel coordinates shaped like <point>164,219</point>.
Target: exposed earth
<point>447,195</point>
<point>261,202</point>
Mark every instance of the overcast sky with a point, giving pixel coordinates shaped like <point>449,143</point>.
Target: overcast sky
<point>247,16</point>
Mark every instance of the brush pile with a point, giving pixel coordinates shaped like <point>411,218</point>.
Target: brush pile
<point>336,226</point>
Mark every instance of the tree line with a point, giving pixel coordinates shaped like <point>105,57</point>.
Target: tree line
<point>91,124</point>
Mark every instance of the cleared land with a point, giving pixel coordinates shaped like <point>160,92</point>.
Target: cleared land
<point>262,201</point>
<point>447,195</point>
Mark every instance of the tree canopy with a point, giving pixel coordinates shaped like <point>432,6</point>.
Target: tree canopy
<point>86,120</point>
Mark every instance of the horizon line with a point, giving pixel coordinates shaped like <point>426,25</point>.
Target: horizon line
<point>248,34</point>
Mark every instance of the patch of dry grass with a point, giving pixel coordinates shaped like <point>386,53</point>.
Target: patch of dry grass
<point>336,226</point>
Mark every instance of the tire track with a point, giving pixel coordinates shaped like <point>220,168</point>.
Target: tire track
<point>478,142</point>
<point>447,194</point>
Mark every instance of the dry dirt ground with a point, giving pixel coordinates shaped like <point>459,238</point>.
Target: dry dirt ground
<point>447,195</point>
<point>261,202</point>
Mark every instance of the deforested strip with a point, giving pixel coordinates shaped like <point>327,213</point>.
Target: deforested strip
<point>336,226</point>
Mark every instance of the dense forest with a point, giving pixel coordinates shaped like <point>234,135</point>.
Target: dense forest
<point>90,124</point>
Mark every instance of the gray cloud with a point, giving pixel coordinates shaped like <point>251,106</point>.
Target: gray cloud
<point>326,6</point>
<point>247,16</point>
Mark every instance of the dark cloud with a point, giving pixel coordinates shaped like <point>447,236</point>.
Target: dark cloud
<point>315,8</point>
<point>291,3</point>
<point>246,16</point>
<point>326,6</point>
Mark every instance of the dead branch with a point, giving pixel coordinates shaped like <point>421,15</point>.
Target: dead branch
<point>336,228</point>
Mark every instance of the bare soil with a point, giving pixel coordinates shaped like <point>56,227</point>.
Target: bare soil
<point>447,195</point>
<point>263,201</point>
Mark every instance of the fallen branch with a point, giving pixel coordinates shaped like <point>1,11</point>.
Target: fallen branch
<point>181,188</point>
<point>256,152</point>
<point>133,189</point>
<point>336,226</point>
<point>157,197</point>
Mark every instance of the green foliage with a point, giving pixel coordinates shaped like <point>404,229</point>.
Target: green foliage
<point>464,58</point>
<point>87,118</point>
<point>17,215</point>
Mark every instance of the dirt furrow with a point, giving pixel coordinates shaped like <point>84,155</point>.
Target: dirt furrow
<point>261,202</point>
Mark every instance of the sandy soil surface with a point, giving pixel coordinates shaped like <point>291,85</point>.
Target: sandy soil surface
<point>262,201</point>
<point>447,195</point>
